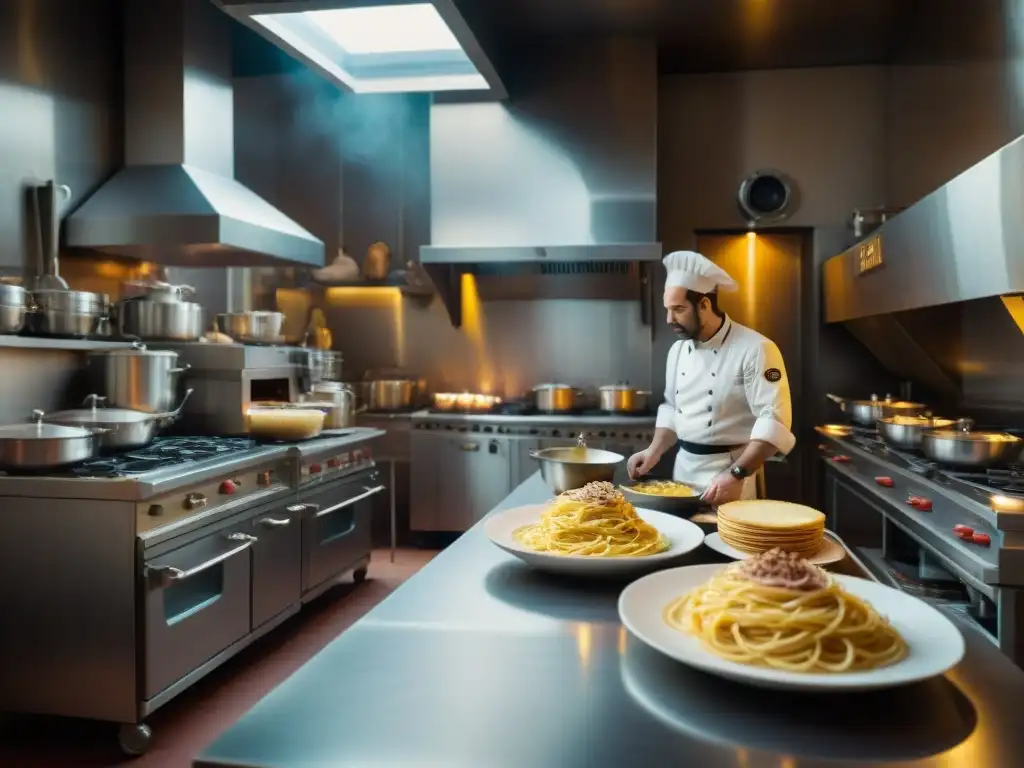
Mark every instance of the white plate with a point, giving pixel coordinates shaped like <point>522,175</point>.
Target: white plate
<point>935,644</point>
<point>830,551</point>
<point>683,537</point>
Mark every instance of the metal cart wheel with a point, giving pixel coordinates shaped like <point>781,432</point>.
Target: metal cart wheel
<point>134,738</point>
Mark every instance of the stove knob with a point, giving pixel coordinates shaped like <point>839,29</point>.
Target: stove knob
<point>155,510</point>
<point>334,463</point>
<point>885,482</point>
<point>982,538</point>
<point>228,487</point>
<point>315,469</point>
<point>263,478</point>
<point>366,454</point>
<point>195,501</point>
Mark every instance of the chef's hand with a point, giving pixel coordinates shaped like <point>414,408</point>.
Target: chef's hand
<point>723,488</point>
<point>640,464</point>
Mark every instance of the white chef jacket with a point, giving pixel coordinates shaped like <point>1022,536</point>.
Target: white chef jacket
<point>726,391</point>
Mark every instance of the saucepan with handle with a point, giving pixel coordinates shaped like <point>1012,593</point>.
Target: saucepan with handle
<point>867,412</point>
<point>39,446</point>
<point>963,446</point>
<point>122,428</point>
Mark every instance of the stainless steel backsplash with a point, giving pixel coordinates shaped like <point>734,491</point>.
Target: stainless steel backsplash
<point>504,347</point>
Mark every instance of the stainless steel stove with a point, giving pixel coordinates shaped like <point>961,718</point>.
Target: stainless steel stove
<point>463,465</point>
<point>132,576</point>
<point>952,534</point>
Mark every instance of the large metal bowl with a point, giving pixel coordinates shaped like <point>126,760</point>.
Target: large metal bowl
<point>565,469</point>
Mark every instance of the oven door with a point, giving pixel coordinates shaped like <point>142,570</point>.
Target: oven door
<point>197,603</point>
<point>336,527</point>
<point>276,562</point>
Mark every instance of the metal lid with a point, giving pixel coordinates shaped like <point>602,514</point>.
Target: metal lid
<point>137,349</point>
<point>934,422</point>
<point>98,416</point>
<point>552,386</point>
<point>623,387</point>
<point>977,437</point>
<point>39,430</point>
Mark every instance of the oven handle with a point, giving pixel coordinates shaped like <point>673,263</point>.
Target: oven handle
<point>367,493</point>
<point>165,575</point>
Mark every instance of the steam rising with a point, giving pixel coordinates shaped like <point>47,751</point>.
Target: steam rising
<point>369,126</point>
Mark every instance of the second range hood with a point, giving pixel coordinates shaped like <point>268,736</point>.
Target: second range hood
<point>565,172</point>
<point>176,201</point>
<point>960,243</point>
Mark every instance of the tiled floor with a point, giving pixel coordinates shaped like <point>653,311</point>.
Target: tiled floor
<point>186,725</point>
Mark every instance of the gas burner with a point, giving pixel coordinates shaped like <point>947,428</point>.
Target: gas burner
<point>161,453</point>
<point>1008,481</point>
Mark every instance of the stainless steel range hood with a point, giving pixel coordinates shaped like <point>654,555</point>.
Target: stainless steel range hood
<point>176,202</point>
<point>565,172</point>
<point>962,242</point>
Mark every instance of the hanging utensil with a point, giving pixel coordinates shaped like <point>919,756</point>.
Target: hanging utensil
<point>48,207</point>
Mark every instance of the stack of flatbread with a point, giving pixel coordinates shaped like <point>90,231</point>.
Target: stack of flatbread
<point>755,526</point>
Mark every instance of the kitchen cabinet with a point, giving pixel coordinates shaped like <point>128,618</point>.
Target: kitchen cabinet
<point>456,479</point>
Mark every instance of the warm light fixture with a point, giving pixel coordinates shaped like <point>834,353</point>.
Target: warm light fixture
<point>1002,503</point>
<point>376,47</point>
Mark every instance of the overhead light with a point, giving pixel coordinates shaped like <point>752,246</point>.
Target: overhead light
<point>376,48</point>
<point>387,29</point>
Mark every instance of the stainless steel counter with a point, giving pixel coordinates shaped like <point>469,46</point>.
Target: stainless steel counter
<point>478,661</point>
<point>538,419</point>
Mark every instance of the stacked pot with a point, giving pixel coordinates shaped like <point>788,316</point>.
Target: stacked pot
<point>13,306</point>
<point>141,386</point>
<point>161,313</point>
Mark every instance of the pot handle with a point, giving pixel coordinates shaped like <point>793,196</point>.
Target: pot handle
<point>180,369</point>
<point>840,401</point>
<point>166,418</point>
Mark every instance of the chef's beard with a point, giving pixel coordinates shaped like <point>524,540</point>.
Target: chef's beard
<point>686,334</point>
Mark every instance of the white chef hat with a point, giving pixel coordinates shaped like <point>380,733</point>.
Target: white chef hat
<point>695,272</point>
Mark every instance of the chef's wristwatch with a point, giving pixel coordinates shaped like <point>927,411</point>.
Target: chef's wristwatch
<point>740,473</point>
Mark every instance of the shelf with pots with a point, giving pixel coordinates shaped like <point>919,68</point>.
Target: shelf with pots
<point>50,342</point>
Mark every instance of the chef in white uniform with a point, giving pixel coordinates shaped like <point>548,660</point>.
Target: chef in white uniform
<point>727,402</point>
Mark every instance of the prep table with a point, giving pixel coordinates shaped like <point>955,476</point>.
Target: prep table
<point>478,661</point>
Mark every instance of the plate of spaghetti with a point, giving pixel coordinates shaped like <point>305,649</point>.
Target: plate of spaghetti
<point>777,621</point>
<point>592,530</point>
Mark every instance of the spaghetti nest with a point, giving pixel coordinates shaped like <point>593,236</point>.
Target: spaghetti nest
<point>777,610</point>
<point>595,520</point>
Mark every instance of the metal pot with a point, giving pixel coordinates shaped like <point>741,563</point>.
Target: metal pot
<point>252,326</point>
<point>326,365</point>
<point>964,447</point>
<point>67,313</point>
<point>389,394</point>
<point>160,317</point>
<point>906,431</point>
<point>342,401</point>
<point>555,398</point>
<point>567,468</point>
<point>866,413</point>
<point>139,379</point>
<point>622,398</point>
<point>13,307</point>
<point>46,446</point>
<point>122,428</point>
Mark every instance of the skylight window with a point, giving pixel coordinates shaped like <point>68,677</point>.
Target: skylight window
<point>380,48</point>
<point>387,29</point>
